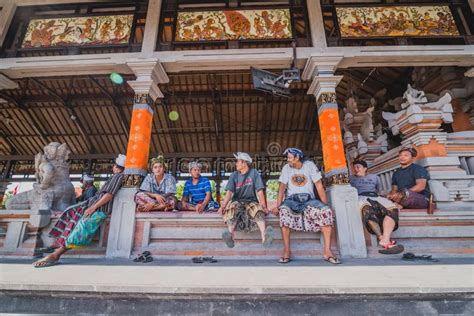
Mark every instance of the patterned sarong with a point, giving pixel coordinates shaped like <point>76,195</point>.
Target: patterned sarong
<point>67,221</point>
<point>244,215</point>
<point>310,220</point>
<point>141,198</point>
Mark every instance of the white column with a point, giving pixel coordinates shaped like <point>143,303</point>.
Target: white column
<point>149,74</point>
<point>150,35</point>
<point>6,17</point>
<point>343,198</point>
<point>316,24</point>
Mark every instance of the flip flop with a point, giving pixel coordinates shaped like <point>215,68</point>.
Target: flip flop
<point>209,259</point>
<point>394,250</point>
<point>332,260</point>
<point>284,260</point>
<point>46,250</point>
<point>48,263</point>
<point>412,257</point>
<point>268,237</point>
<point>197,260</point>
<point>144,257</point>
<point>229,241</point>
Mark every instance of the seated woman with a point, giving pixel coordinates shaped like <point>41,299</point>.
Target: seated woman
<point>78,224</point>
<point>197,195</point>
<point>379,215</point>
<point>158,189</point>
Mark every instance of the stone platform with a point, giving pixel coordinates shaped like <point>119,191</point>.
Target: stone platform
<point>239,287</point>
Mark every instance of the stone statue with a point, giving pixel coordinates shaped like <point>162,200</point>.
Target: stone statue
<point>53,190</point>
<point>367,127</point>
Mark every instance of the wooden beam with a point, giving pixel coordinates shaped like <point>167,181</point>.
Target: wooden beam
<point>70,108</point>
<point>32,120</point>
<point>217,109</point>
<point>170,125</point>
<point>121,115</point>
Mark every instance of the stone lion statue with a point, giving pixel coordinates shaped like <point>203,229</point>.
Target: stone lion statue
<point>53,190</point>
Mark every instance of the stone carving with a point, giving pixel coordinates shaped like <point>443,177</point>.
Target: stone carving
<point>417,107</point>
<point>53,190</point>
<point>367,128</point>
<point>361,139</point>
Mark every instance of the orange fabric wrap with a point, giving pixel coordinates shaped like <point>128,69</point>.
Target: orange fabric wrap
<point>331,139</point>
<point>139,142</point>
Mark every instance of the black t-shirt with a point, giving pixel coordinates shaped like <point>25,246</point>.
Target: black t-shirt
<point>405,178</point>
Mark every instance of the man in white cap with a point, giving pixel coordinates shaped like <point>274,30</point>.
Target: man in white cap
<point>246,212</point>
<point>79,222</point>
<point>88,188</point>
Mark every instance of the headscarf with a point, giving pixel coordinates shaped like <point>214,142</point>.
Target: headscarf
<point>194,164</point>
<point>160,159</point>
<point>295,152</point>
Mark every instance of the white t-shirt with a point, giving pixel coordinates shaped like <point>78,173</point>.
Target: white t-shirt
<point>300,180</point>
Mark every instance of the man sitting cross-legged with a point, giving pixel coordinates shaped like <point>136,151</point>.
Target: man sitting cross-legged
<point>197,194</point>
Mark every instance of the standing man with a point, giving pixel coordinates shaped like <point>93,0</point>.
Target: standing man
<point>246,212</point>
<point>299,209</point>
<point>409,183</point>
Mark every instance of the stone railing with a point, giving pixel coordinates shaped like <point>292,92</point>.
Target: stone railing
<point>22,232</point>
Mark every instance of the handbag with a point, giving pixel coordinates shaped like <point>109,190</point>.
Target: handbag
<point>85,230</point>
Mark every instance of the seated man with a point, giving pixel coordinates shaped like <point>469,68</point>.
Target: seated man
<point>300,210</point>
<point>379,215</point>
<point>246,213</point>
<point>88,188</point>
<point>409,183</point>
<point>78,224</point>
<point>158,189</point>
<point>197,194</point>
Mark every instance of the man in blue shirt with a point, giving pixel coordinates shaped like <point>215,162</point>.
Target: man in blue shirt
<point>197,195</point>
<point>409,183</point>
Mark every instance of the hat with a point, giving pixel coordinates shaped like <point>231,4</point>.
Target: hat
<point>360,162</point>
<point>243,156</point>
<point>120,160</point>
<point>87,178</point>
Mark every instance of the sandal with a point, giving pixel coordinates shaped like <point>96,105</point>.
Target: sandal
<point>46,250</point>
<point>203,259</point>
<point>285,260</point>
<point>144,257</point>
<point>332,260</point>
<point>229,241</point>
<point>412,257</point>
<point>47,263</point>
<point>392,249</point>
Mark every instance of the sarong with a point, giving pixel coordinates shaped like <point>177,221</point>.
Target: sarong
<point>67,221</point>
<point>314,216</point>
<point>245,215</point>
<point>141,198</point>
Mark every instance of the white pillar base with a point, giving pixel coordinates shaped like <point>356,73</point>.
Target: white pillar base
<point>350,232</point>
<point>122,225</point>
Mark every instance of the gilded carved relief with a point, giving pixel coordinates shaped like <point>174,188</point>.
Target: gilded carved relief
<point>396,21</point>
<point>233,25</point>
<point>78,31</point>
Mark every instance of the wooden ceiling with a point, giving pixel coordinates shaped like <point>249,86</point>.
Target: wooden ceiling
<point>218,112</point>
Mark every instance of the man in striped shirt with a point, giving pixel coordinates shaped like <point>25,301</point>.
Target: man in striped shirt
<point>197,195</point>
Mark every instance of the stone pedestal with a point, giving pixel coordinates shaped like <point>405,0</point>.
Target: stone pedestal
<point>350,232</point>
<point>122,225</point>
